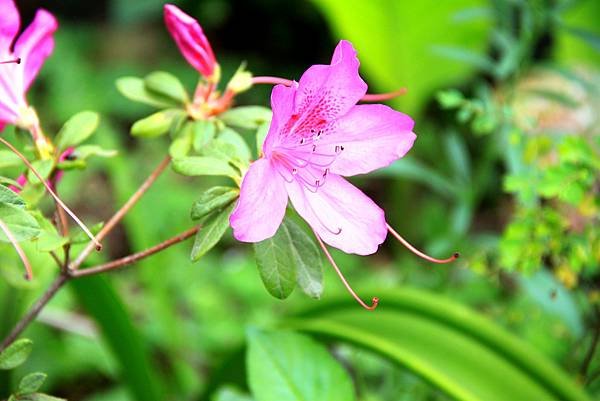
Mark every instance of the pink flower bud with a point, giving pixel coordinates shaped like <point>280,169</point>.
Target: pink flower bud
<point>191,41</point>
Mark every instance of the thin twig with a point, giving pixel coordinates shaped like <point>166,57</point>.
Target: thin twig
<point>128,260</point>
<point>35,310</point>
<point>20,252</point>
<point>121,212</point>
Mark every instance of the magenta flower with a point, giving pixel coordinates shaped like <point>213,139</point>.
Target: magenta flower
<point>192,42</point>
<point>319,134</point>
<point>32,47</point>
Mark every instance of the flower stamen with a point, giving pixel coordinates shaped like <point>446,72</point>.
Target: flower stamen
<point>53,194</point>
<point>379,97</point>
<point>20,252</point>
<point>14,61</point>
<point>414,250</point>
<point>374,300</point>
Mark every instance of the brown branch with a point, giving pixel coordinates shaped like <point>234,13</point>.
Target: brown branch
<point>121,212</point>
<point>127,260</point>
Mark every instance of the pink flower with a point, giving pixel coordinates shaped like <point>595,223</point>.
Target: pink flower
<point>32,47</point>
<point>319,134</point>
<point>191,41</point>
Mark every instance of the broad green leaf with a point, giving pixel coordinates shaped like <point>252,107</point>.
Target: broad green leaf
<point>77,129</point>
<point>213,199</point>
<point>292,367</point>
<point>31,383</point>
<point>166,84</point>
<point>242,150</point>
<point>394,51</point>
<point>576,42</point>
<point>459,352</point>
<point>307,259</point>
<point>21,224</point>
<point>210,233</point>
<point>9,196</point>
<point>9,159</point>
<point>134,89</point>
<point>67,165</point>
<point>250,117</point>
<point>129,349</point>
<point>203,131</point>
<point>77,236</point>
<point>156,124</point>
<point>15,354</point>
<point>276,262</point>
<point>199,165</point>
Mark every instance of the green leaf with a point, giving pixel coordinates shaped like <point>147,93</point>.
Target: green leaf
<point>477,60</point>
<point>199,165</point>
<point>242,150</point>
<point>203,131</point>
<point>128,347</point>
<point>77,236</point>
<point>39,397</point>
<point>9,159</point>
<point>250,117</point>
<point>21,224</point>
<point>9,196</point>
<point>450,98</point>
<point>156,124</point>
<point>292,367</point>
<point>216,198</point>
<point>43,167</point>
<point>168,85</point>
<point>31,383</point>
<point>309,265</point>
<point>85,151</point>
<point>277,262</point>
<point>229,394</point>
<point>372,27</point>
<point>210,233</point>
<point>77,129</point>
<point>15,354</point>
<point>459,352</point>
<point>135,89</point>
<point>49,239</point>
<point>182,144</point>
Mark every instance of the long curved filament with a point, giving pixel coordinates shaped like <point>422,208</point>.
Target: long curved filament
<point>53,194</point>
<point>374,300</point>
<point>419,253</point>
<point>14,61</point>
<point>20,252</point>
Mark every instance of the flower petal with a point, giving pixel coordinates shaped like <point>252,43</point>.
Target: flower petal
<point>326,92</point>
<point>190,39</point>
<point>35,45</point>
<point>367,138</point>
<point>341,214</point>
<point>9,25</point>
<point>282,104</point>
<point>261,206</point>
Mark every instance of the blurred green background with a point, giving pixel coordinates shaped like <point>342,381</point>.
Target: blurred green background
<point>505,169</point>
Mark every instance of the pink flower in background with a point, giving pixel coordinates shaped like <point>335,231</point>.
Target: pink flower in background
<point>32,47</point>
<point>191,40</point>
<point>319,134</point>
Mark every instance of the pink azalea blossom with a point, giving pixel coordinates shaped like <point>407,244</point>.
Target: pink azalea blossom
<point>190,39</point>
<point>32,47</point>
<point>318,135</point>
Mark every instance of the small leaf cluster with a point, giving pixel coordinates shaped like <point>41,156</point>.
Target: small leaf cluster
<point>15,355</point>
<point>556,223</point>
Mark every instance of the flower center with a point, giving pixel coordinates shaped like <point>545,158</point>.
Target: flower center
<point>306,158</point>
